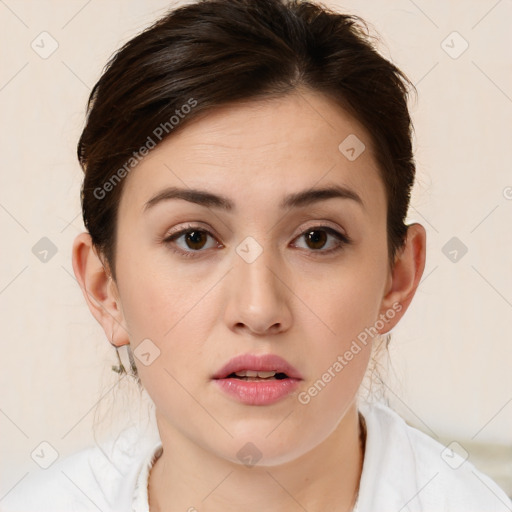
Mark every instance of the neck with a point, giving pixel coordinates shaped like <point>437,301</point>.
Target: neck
<point>188,477</point>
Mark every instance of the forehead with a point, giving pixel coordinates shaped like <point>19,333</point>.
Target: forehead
<point>264,149</point>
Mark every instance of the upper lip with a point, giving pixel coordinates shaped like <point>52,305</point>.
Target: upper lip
<point>262,363</point>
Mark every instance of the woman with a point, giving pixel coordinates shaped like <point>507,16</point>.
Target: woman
<point>248,167</point>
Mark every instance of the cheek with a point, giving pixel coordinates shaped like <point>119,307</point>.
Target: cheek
<point>173,310</point>
<point>344,302</point>
<point>342,348</point>
<point>158,299</point>
<point>174,319</point>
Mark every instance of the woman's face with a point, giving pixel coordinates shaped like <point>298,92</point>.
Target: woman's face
<point>259,273</point>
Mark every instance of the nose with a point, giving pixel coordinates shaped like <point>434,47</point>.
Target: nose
<point>258,297</point>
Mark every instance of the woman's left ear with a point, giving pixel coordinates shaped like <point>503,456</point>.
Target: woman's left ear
<point>405,276</point>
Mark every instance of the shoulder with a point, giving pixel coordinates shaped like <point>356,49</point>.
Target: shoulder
<point>65,485</point>
<point>101,477</point>
<point>410,467</point>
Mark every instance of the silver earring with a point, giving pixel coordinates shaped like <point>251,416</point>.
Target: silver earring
<point>125,362</point>
<point>120,367</point>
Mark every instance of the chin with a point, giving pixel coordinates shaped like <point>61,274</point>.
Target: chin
<point>258,448</point>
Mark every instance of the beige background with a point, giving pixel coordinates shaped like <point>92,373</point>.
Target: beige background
<point>451,355</point>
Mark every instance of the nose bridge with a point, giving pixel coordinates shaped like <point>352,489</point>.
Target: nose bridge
<point>256,268</point>
<point>259,298</point>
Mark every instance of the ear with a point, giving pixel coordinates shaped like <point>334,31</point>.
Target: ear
<point>404,278</point>
<point>99,289</point>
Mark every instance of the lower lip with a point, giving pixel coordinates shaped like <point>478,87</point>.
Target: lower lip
<point>265,392</point>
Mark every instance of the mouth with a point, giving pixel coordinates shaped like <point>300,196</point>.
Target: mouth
<point>257,379</point>
<point>259,367</point>
<point>255,376</point>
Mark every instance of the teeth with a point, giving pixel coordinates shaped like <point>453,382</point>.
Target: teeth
<point>252,373</point>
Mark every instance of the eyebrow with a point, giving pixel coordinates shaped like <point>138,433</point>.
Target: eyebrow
<point>295,200</point>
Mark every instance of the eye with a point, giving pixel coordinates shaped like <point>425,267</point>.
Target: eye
<point>194,239</point>
<point>317,237</point>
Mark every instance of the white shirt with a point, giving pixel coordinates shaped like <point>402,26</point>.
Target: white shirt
<point>404,470</point>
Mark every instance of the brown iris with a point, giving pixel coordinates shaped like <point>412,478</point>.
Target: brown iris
<point>317,237</point>
<point>196,238</point>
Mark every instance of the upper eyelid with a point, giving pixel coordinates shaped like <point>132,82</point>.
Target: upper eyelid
<point>199,227</point>
<point>314,224</point>
<point>325,225</point>
<point>186,229</point>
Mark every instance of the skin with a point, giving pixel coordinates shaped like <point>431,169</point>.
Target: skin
<point>294,300</point>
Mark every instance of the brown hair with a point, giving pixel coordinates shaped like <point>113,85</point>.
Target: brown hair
<point>214,52</point>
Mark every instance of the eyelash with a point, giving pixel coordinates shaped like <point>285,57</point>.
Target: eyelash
<point>343,240</point>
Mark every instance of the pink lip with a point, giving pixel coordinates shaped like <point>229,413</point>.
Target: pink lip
<point>264,392</point>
